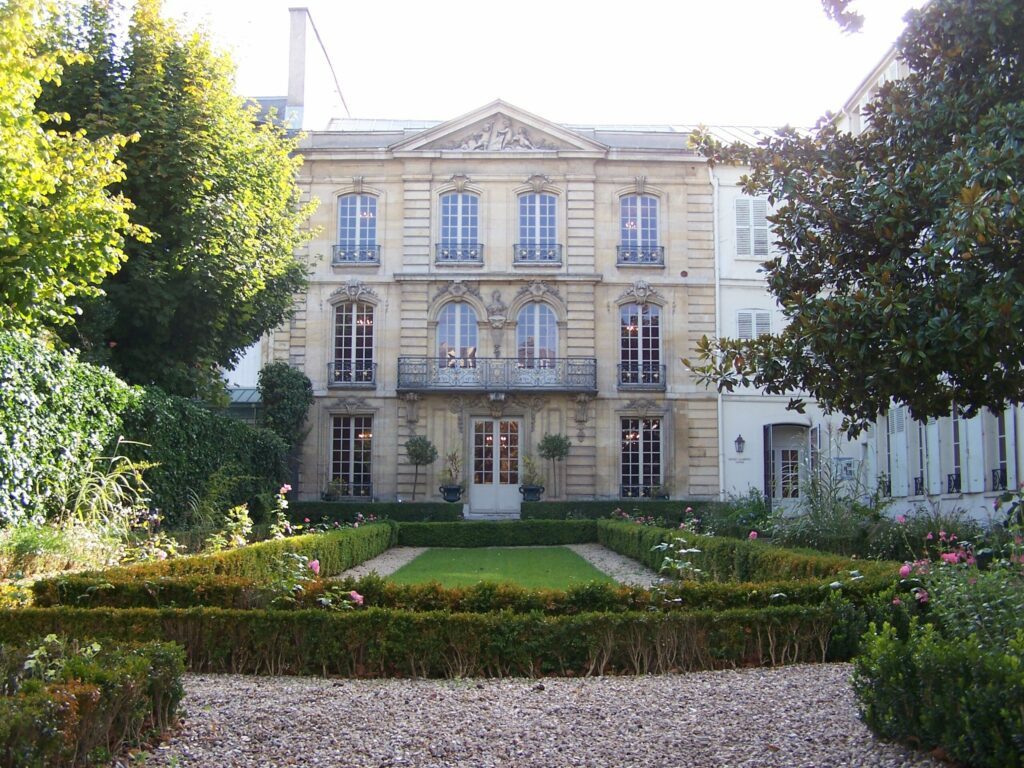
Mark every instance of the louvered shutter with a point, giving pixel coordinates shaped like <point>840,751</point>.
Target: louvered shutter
<point>745,325</point>
<point>762,323</point>
<point>743,236</point>
<point>759,226</point>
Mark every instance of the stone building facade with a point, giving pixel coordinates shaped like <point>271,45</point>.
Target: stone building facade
<point>494,278</point>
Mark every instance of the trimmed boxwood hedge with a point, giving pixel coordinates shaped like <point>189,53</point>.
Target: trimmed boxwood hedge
<point>478,533</point>
<point>670,511</point>
<point>392,643</point>
<point>725,559</point>
<point>95,703</point>
<point>346,512</point>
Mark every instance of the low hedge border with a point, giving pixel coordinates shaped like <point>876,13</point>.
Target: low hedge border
<point>478,533</point>
<point>944,693</point>
<point>94,707</point>
<point>386,643</point>
<point>104,591</point>
<point>348,511</point>
<point>337,551</point>
<point>670,511</point>
<point>725,559</point>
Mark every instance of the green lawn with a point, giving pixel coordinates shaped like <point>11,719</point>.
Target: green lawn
<point>530,567</point>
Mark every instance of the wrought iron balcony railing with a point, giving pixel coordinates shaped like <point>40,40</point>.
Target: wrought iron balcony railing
<point>459,253</point>
<point>641,376</point>
<point>537,253</point>
<point>356,254</point>
<point>953,482</point>
<point>497,374</point>
<point>342,490</point>
<point>644,255</point>
<point>354,374</point>
<point>919,485</point>
<point>999,479</point>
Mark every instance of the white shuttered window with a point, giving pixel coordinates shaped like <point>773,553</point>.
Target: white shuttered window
<point>751,226</point>
<point>751,323</point>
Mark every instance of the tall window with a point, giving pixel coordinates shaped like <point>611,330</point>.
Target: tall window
<point>351,449</point>
<point>638,230</point>
<point>640,345</point>
<point>460,228</point>
<point>353,345</point>
<point>954,481</point>
<point>357,229</point>
<point>536,335</point>
<point>641,456</point>
<point>457,336</point>
<point>538,234</point>
<point>789,467</point>
<point>751,226</point>
<point>999,474</point>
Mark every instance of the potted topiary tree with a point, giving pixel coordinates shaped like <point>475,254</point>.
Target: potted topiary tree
<point>554,448</point>
<point>451,477</point>
<point>531,487</point>
<point>420,452</point>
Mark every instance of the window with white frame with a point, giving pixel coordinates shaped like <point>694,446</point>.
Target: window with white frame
<point>751,227</point>
<point>1001,466</point>
<point>641,457</point>
<point>357,229</point>
<point>954,480</point>
<point>538,229</point>
<point>353,344</point>
<point>460,227</point>
<point>536,335</point>
<point>751,323</point>
<point>351,454</point>
<point>640,345</point>
<point>457,336</point>
<point>638,231</point>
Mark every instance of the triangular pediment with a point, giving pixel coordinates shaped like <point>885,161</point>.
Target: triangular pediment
<point>498,127</point>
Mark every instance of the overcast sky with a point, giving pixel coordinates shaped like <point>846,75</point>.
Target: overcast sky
<point>724,62</point>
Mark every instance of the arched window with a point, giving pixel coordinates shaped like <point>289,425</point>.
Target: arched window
<point>538,232</point>
<point>353,345</point>
<point>460,228</point>
<point>640,346</point>
<point>536,335</point>
<point>357,230</point>
<point>638,230</point>
<point>457,336</point>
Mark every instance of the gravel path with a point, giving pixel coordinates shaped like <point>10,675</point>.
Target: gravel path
<point>385,563</point>
<point>789,716</point>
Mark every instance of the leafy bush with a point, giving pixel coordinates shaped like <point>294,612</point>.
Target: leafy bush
<point>739,515</point>
<point>64,704</point>
<point>285,394</point>
<point>347,512</point>
<point>191,444</point>
<point>56,415</point>
<point>725,559</point>
<point>671,512</point>
<point>916,534</point>
<point>392,643</point>
<point>496,534</point>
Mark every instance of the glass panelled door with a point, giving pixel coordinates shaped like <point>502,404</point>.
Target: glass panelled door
<point>494,484</point>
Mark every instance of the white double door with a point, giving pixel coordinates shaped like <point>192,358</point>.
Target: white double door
<point>494,484</point>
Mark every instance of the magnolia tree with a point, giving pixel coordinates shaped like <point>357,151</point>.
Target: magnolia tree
<point>899,264</point>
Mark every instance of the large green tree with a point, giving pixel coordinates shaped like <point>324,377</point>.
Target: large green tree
<point>216,189</point>
<point>61,229</point>
<point>901,264</point>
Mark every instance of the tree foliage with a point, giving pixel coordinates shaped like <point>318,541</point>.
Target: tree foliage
<point>286,394</point>
<point>899,265</point>
<point>61,229</point>
<point>217,190</point>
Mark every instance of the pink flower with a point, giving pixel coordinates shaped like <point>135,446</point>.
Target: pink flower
<point>905,570</point>
<point>752,535</point>
<point>942,535</point>
<point>356,597</point>
<point>314,566</point>
<point>929,537</point>
<point>901,519</point>
<point>689,510</point>
<point>897,601</point>
<point>284,489</point>
<point>921,595</point>
<point>306,520</point>
<point>950,557</point>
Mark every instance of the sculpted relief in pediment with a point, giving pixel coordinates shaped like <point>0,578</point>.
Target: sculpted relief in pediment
<point>497,134</point>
